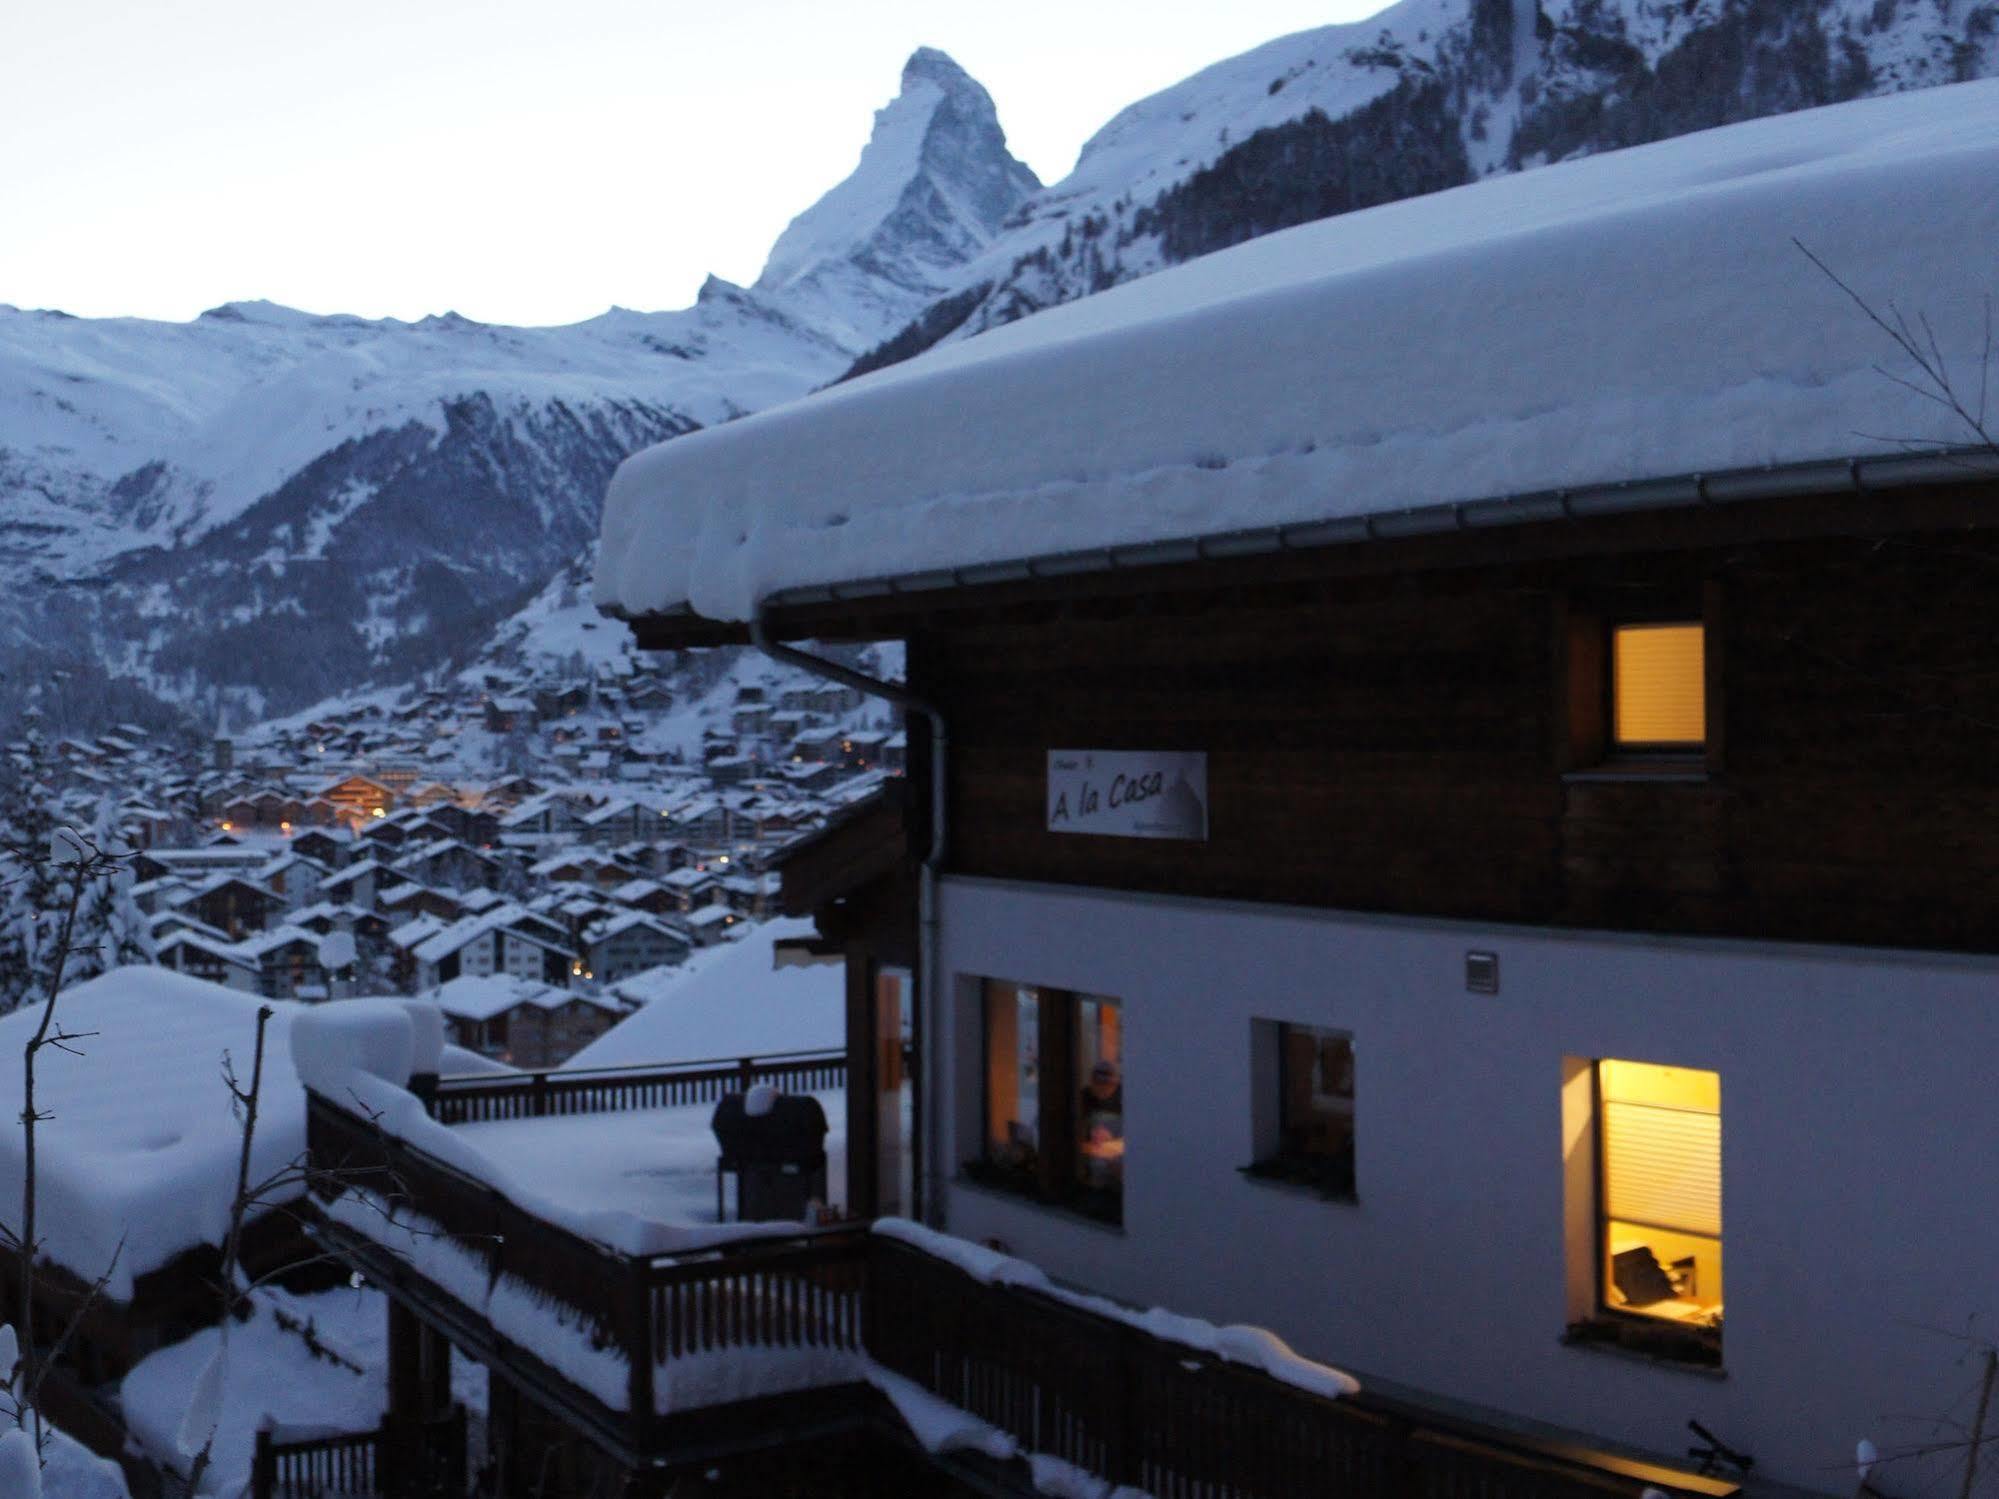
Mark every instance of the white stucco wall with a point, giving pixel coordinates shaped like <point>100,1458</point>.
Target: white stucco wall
<point>1860,1154</point>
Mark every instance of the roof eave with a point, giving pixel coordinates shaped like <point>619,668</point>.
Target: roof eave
<point>679,626</point>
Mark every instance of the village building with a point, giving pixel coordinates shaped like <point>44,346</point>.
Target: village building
<point>521,1022</point>
<point>506,940</point>
<point>629,942</point>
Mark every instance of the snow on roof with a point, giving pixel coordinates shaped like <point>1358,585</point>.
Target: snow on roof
<point>1643,313</point>
<point>141,1142</point>
<point>625,921</point>
<point>481,997</point>
<point>730,1001</point>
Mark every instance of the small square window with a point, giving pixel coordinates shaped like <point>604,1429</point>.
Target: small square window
<point>1640,685</point>
<point>1306,1116</point>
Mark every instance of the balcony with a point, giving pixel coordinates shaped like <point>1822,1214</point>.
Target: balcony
<point>669,1347</point>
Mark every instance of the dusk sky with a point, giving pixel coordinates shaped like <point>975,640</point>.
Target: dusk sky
<point>515,162</point>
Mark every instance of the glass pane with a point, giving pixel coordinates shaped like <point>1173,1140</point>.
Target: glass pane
<point>1099,1063</point>
<point>1659,674</point>
<point>1660,1137</point>
<point>1012,1075</point>
<point>1315,1109</point>
<point>893,1104</point>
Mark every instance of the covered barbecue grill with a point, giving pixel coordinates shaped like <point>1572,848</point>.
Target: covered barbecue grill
<point>775,1143</point>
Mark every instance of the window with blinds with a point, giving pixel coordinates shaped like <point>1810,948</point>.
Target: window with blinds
<point>1659,1139</point>
<point>1658,686</point>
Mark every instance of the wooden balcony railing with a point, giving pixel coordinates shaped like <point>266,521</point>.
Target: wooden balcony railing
<point>1162,1416</point>
<point>478,1098</point>
<point>794,1288</point>
<point>421,1461</point>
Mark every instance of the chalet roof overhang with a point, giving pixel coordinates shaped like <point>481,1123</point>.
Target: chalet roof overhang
<point>1939,489</point>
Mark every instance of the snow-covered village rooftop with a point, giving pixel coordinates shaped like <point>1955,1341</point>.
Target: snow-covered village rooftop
<point>1646,314</point>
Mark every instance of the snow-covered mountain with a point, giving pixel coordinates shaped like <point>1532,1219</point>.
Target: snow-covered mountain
<point>1430,94</point>
<point>934,184</point>
<point>277,505</point>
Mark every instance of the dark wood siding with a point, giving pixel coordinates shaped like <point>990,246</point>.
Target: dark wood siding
<point>1398,742</point>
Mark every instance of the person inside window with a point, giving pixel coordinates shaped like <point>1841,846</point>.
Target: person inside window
<point>1100,1126</point>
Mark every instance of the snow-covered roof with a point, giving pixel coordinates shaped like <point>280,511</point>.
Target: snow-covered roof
<point>1641,314</point>
<point>482,996</point>
<point>141,1142</point>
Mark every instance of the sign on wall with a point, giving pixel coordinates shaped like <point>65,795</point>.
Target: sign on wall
<point>1128,793</point>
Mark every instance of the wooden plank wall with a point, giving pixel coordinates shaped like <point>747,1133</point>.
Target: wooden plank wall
<point>1398,743</point>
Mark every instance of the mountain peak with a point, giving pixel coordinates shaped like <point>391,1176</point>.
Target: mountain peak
<point>930,65</point>
<point>933,185</point>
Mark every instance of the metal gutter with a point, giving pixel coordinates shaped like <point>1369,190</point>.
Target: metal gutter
<point>1687,491</point>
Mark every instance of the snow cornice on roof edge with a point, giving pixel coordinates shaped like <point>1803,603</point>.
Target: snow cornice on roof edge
<point>1876,474</point>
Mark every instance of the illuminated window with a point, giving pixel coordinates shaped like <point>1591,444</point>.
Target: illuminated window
<point>1054,1097</point>
<point>1658,678</point>
<point>1659,1196</point>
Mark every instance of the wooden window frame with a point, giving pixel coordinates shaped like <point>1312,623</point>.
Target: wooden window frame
<point>1051,1183</point>
<point>1613,1326</point>
<point>1586,708</point>
<point>1274,1163</point>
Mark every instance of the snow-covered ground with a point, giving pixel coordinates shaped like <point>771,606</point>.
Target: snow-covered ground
<point>70,1470</point>
<point>275,1375</point>
<point>652,1163</point>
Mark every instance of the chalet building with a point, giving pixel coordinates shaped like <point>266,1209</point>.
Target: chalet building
<point>357,798</point>
<point>402,902</point>
<point>506,714</point>
<point>328,849</point>
<point>288,965</point>
<point>542,816</point>
<point>645,895</point>
<point>203,956</point>
<point>294,877</point>
<point>619,821</point>
<point>562,702</point>
<point>692,888</point>
<point>360,883</point>
<point>707,925</point>
<point>234,904</point>
<point>480,829</point>
<point>1467,801</point>
<point>630,942</point>
<point>519,1021</point>
<point>446,861</point>
<point>506,941</point>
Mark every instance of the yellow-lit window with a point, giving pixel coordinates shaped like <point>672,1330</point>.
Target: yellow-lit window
<point>1660,1143</point>
<point>1658,677</point>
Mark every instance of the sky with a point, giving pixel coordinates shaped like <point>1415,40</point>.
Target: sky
<point>515,162</point>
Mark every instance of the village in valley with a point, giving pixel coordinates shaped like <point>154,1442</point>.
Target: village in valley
<point>533,853</point>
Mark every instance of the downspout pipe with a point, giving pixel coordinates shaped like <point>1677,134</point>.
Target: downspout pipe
<point>929,993</point>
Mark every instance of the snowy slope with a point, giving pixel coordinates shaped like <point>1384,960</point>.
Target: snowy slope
<point>1638,314</point>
